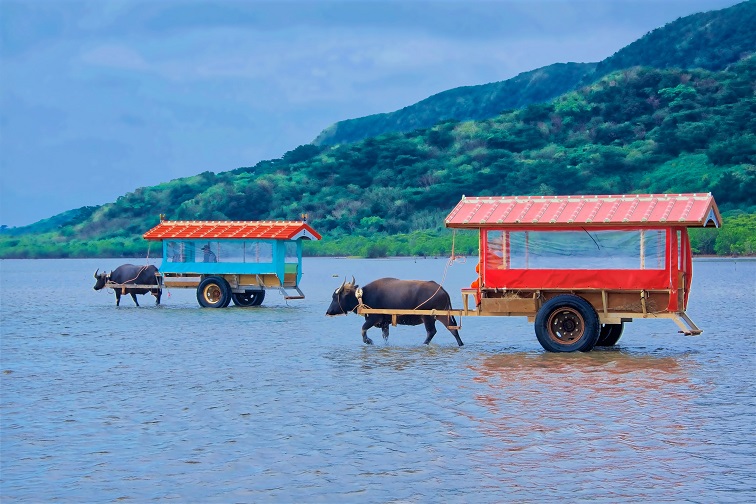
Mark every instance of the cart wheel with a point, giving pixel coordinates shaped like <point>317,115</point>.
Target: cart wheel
<point>248,298</point>
<point>214,292</point>
<point>567,323</point>
<point>228,298</point>
<point>259,297</point>
<point>610,334</point>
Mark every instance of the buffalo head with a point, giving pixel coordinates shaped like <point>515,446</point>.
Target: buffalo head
<point>344,299</point>
<point>101,279</point>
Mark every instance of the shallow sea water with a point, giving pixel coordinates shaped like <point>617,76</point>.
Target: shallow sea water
<point>282,404</point>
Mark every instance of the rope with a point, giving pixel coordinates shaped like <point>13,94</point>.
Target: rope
<point>123,289</point>
<point>137,275</point>
<point>358,295</point>
<point>452,259</point>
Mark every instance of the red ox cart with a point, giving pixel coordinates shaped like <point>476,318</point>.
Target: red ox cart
<point>579,267</point>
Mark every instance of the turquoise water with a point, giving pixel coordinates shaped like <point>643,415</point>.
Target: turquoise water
<point>282,404</point>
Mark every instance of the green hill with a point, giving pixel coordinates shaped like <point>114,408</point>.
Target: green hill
<point>637,130</point>
<point>464,103</point>
<point>710,40</point>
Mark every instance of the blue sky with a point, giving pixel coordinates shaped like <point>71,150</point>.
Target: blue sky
<point>98,98</point>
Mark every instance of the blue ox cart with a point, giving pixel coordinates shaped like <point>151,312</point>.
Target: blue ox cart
<point>235,261</point>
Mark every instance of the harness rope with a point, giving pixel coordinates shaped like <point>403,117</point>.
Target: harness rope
<point>452,259</point>
<point>147,259</point>
<point>138,273</point>
<point>123,289</point>
<point>160,286</point>
<point>358,295</point>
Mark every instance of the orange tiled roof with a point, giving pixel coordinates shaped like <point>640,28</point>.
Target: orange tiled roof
<point>275,230</point>
<point>565,211</point>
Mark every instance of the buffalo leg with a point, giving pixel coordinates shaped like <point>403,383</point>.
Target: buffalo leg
<point>455,333</point>
<point>430,329</point>
<point>367,325</point>
<point>118,298</point>
<point>133,296</point>
<point>447,321</point>
<point>385,329</point>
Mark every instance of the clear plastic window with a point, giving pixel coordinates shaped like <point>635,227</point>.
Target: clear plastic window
<point>180,252</point>
<point>174,252</point>
<point>225,251</point>
<point>584,249</point>
<point>231,251</point>
<point>291,252</point>
<point>207,252</point>
<point>258,252</point>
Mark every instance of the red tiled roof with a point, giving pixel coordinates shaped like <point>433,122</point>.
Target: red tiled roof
<point>564,211</point>
<point>275,230</point>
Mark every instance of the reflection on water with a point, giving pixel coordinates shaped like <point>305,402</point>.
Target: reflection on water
<point>623,425</point>
<point>590,368</point>
<point>282,404</point>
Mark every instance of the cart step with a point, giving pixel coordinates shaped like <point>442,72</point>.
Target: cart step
<point>686,325</point>
<point>287,296</point>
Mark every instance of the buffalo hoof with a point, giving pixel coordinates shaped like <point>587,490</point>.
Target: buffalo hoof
<point>368,341</point>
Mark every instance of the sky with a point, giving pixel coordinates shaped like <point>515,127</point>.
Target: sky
<point>100,97</point>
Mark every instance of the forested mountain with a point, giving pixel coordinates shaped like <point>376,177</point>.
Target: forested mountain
<point>636,130</point>
<point>464,103</point>
<point>710,40</point>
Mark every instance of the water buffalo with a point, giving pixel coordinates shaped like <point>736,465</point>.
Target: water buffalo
<point>388,293</point>
<point>130,274</point>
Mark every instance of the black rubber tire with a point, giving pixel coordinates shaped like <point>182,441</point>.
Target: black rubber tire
<point>248,298</point>
<point>214,292</point>
<point>567,323</point>
<point>610,334</point>
<point>228,298</point>
<point>259,298</point>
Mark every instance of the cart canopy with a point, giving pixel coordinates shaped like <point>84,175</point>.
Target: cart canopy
<point>632,210</point>
<point>214,230</point>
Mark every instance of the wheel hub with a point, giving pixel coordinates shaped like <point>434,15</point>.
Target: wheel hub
<point>213,293</point>
<point>565,326</point>
<point>569,325</point>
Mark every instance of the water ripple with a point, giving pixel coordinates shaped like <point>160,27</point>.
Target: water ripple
<point>281,404</point>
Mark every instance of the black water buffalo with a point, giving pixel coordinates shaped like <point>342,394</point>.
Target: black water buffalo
<point>391,293</point>
<point>130,274</point>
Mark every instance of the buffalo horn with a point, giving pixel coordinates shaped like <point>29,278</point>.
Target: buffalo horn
<point>352,279</point>
<point>97,271</point>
